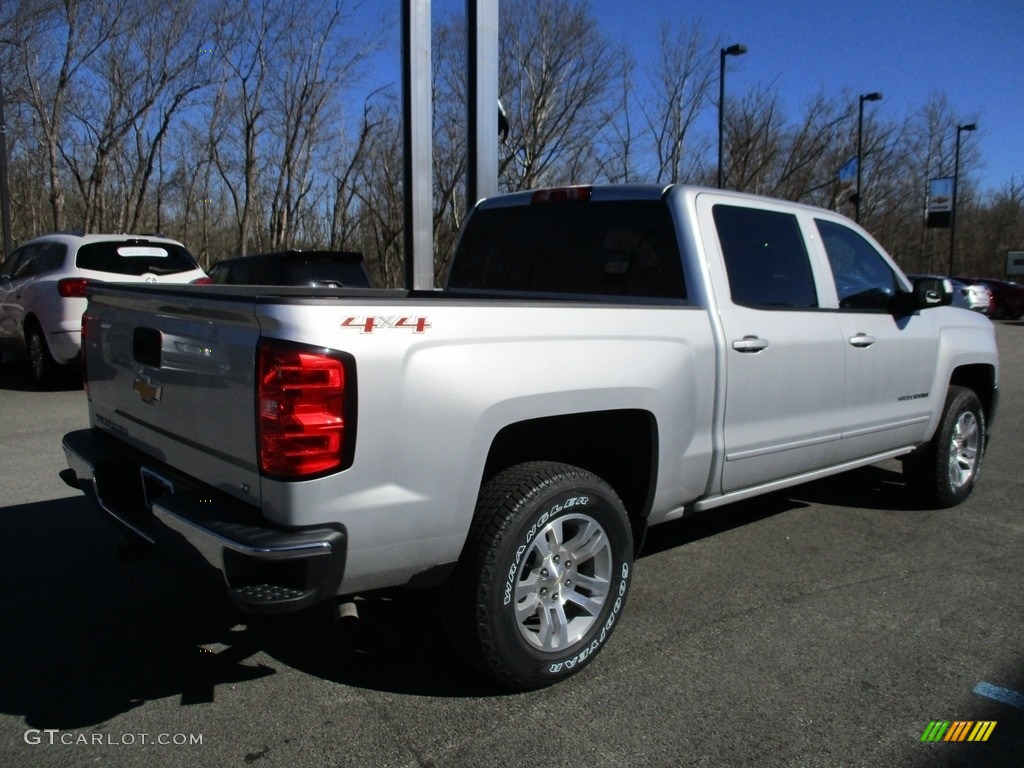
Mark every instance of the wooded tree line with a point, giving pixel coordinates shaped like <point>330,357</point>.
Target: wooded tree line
<point>240,126</point>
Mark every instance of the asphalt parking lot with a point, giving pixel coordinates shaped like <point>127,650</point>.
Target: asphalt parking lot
<point>824,626</point>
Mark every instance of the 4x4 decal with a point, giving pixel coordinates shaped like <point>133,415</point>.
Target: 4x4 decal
<point>370,324</point>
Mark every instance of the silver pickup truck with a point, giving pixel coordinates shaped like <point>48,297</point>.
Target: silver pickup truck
<point>601,359</point>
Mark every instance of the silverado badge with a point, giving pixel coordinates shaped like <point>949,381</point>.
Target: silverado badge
<point>148,391</point>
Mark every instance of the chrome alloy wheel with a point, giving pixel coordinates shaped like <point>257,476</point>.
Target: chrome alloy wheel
<point>563,582</point>
<point>964,450</point>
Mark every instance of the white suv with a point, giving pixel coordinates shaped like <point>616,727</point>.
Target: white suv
<point>43,284</point>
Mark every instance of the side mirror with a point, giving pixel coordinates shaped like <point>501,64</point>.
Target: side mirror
<point>933,292</point>
<point>928,292</point>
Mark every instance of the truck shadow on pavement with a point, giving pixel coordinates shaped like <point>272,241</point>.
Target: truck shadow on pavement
<point>876,488</point>
<point>90,638</point>
<point>14,376</point>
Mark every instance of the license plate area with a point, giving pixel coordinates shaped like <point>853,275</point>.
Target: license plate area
<point>154,486</point>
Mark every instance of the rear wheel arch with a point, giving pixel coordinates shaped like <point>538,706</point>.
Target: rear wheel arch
<point>619,446</point>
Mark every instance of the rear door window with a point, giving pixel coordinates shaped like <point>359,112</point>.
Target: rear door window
<point>20,263</point>
<point>51,257</point>
<point>765,258</point>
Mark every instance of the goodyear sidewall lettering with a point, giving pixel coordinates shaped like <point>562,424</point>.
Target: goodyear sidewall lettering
<point>584,651</point>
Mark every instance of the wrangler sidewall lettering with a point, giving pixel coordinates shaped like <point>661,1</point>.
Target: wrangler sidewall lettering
<point>603,507</point>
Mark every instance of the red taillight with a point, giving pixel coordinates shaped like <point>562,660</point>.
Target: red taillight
<point>304,398</point>
<point>562,195</point>
<point>202,281</point>
<point>72,287</point>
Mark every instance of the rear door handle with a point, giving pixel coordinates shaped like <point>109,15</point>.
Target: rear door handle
<point>750,344</point>
<point>862,340</point>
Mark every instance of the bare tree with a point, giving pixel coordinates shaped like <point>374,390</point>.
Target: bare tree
<point>753,131</point>
<point>558,73</point>
<point>680,83</point>
<point>55,42</point>
<point>621,138</point>
<point>224,123</point>
<point>378,185</point>
<point>122,61</point>
<point>315,66</point>
<point>348,164</point>
<point>237,116</point>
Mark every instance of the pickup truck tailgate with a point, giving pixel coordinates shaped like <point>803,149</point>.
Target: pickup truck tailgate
<point>170,372</point>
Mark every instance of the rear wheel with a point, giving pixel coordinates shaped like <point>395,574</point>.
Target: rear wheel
<point>544,574</point>
<point>42,367</point>
<point>946,471</point>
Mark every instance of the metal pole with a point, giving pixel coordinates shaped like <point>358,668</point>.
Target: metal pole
<point>732,50</point>
<point>860,149</point>
<point>860,132</point>
<point>482,81</point>
<point>721,110</point>
<point>956,179</point>
<point>417,155</point>
<point>5,193</point>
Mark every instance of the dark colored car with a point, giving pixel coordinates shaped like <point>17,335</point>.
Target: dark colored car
<point>1008,296</point>
<point>327,269</point>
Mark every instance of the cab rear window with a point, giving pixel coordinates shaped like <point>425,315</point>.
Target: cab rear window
<point>607,249</point>
<point>136,257</point>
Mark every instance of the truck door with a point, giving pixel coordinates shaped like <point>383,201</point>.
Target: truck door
<point>890,358</point>
<point>783,353</point>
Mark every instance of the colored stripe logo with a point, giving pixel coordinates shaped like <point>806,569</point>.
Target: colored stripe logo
<point>958,730</point>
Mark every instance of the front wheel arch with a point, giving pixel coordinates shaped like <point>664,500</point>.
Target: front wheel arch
<point>946,471</point>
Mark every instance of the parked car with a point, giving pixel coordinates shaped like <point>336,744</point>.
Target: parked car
<point>979,297</point>
<point>1008,296</point>
<point>331,269</point>
<point>976,297</point>
<point>43,288</point>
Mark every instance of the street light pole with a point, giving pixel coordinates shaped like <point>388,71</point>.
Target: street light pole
<point>5,195</point>
<point>860,147</point>
<point>956,173</point>
<point>732,50</point>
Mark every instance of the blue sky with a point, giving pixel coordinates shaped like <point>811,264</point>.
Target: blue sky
<point>971,50</point>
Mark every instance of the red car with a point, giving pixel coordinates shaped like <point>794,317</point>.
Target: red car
<point>1008,297</point>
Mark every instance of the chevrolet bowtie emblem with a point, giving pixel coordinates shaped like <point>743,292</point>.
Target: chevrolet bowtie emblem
<point>148,391</point>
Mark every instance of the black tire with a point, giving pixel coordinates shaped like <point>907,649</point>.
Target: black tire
<point>543,576</point>
<point>42,368</point>
<point>946,471</point>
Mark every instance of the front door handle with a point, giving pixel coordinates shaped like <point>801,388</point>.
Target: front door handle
<point>750,344</point>
<point>862,340</point>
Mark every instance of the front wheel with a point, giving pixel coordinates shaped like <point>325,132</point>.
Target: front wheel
<point>946,471</point>
<point>544,574</point>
